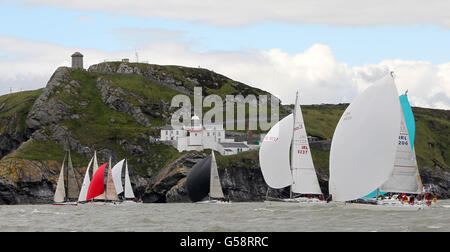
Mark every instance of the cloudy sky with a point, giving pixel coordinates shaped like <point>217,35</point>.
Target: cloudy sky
<point>327,50</point>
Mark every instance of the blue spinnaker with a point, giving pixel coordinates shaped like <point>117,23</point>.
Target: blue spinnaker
<point>409,119</point>
<point>373,194</point>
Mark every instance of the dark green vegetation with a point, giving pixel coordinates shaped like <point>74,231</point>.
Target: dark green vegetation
<point>16,106</point>
<point>432,137</point>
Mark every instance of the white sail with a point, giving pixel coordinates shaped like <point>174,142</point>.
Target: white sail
<point>405,176</point>
<point>60,192</point>
<point>274,154</point>
<point>86,182</point>
<point>364,142</point>
<point>117,176</point>
<point>95,164</point>
<point>303,173</point>
<point>215,188</point>
<point>128,189</point>
<point>72,184</point>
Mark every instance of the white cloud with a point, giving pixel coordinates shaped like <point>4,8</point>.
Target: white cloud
<point>237,12</point>
<point>314,72</point>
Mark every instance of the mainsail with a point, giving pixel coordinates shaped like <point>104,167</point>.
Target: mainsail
<point>405,176</point>
<point>303,172</point>
<point>72,184</point>
<point>215,188</point>
<point>364,142</point>
<point>60,193</point>
<point>111,193</point>
<point>86,182</point>
<point>128,189</point>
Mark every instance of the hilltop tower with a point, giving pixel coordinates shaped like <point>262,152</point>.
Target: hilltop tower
<point>77,60</point>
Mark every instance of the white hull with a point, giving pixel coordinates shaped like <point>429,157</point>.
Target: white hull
<point>130,202</point>
<point>383,207</point>
<point>295,201</point>
<point>101,203</point>
<point>213,202</point>
<point>391,204</point>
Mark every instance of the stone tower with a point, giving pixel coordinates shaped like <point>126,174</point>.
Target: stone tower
<point>77,60</point>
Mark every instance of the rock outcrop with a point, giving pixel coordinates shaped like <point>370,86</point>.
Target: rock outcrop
<point>48,109</point>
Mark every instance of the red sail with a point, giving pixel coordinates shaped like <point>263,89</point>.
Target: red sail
<point>97,186</point>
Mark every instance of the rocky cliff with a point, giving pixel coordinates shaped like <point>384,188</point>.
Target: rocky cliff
<point>117,109</point>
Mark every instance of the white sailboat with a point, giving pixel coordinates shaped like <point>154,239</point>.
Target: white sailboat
<point>365,148</point>
<point>117,178</point>
<point>66,193</point>
<point>405,177</point>
<point>113,186</point>
<point>287,137</point>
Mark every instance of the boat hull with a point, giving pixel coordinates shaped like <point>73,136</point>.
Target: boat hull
<point>377,207</point>
<point>218,202</point>
<point>66,204</point>
<point>295,201</point>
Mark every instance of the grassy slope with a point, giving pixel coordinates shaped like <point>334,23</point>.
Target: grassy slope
<point>95,128</point>
<point>16,104</point>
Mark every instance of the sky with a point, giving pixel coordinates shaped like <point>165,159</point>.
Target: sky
<point>328,50</point>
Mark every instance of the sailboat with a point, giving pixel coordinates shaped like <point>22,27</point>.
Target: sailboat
<point>117,178</point>
<point>288,140</point>
<point>203,181</point>
<point>405,177</point>
<point>113,185</point>
<point>66,191</point>
<point>365,150</point>
<point>97,186</point>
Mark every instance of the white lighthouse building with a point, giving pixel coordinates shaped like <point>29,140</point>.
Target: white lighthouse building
<point>199,137</point>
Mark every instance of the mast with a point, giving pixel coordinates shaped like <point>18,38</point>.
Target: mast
<point>66,184</point>
<point>292,142</point>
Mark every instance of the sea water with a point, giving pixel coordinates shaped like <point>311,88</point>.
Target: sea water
<point>191,217</point>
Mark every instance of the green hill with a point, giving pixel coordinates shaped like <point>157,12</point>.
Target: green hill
<point>117,109</point>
